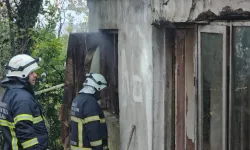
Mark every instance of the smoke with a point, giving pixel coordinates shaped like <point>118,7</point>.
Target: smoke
<point>104,55</point>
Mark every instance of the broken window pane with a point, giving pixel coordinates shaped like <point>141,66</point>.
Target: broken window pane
<point>211,61</point>
<point>240,121</point>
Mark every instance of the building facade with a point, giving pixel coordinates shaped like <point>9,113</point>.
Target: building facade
<point>182,68</point>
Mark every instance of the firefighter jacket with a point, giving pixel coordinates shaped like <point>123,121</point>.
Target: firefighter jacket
<point>88,126</point>
<point>21,119</point>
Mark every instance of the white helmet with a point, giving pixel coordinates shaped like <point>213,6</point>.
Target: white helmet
<point>95,80</point>
<point>21,66</point>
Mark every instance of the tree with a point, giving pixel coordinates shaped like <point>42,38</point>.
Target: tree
<point>46,45</point>
<point>22,15</point>
<point>36,27</point>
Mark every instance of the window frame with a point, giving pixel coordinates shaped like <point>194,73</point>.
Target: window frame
<point>213,27</point>
<point>219,29</point>
<point>232,24</point>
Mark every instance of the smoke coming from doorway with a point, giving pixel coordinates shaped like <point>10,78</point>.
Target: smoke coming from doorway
<point>103,57</point>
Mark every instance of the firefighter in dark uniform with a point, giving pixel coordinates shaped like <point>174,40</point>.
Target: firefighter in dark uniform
<point>88,126</point>
<point>21,120</point>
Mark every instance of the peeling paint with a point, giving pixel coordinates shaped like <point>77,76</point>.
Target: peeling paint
<point>161,22</point>
<point>230,14</point>
<point>190,90</point>
<point>190,144</point>
<point>227,13</point>
<point>207,15</point>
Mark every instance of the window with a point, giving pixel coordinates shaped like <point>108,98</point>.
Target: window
<point>211,86</point>
<point>109,68</point>
<point>240,98</point>
<point>223,90</point>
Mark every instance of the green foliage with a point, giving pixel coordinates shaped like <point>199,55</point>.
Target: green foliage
<point>52,50</point>
<point>19,33</point>
<point>49,48</point>
<point>4,45</point>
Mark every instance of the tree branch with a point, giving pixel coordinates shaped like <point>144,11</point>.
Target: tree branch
<point>24,46</point>
<point>61,23</point>
<point>50,89</point>
<point>57,72</point>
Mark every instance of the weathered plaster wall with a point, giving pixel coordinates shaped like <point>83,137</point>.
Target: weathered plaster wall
<point>135,75</point>
<point>159,88</point>
<point>183,10</point>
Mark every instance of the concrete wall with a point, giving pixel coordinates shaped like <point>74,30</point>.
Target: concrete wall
<point>160,90</point>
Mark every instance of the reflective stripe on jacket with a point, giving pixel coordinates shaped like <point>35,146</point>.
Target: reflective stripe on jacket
<point>88,126</point>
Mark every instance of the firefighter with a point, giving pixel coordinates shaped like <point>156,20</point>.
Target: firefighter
<point>88,126</point>
<point>21,120</point>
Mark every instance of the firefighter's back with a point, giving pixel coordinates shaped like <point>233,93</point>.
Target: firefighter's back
<point>88,127</point>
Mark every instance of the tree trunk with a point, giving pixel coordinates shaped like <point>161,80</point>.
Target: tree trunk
<point>27,12</point>
<point>12,37</point>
